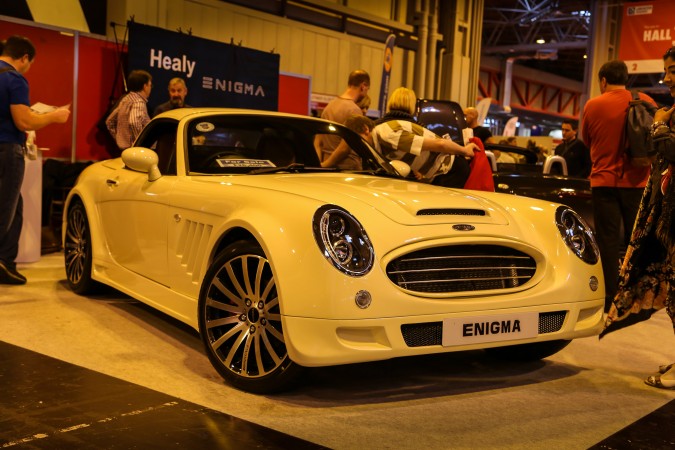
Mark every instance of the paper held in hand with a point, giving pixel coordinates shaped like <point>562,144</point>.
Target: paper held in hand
<point>42,108</point>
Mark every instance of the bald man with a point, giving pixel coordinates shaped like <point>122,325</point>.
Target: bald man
<point>482,133</point>
<point>177,92</point>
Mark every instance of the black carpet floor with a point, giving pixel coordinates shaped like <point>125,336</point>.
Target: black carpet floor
<point>51,404</point>
<point>56,405</point>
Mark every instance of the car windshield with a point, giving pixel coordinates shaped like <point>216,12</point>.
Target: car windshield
<point>262,144</point>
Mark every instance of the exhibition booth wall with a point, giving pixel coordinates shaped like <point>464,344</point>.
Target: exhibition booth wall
<point>80,69</point>
<point>70,68</point>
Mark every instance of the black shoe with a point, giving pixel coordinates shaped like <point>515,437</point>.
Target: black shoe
<point>13,271</point>
<point>9,275</point>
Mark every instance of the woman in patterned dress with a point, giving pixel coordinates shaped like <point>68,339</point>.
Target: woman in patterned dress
<point>647,276</point>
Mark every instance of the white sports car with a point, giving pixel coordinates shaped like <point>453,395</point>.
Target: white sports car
<point>225,220</point>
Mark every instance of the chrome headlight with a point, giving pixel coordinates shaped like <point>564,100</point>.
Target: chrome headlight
<point>577,235</point>
<point>343,241</point>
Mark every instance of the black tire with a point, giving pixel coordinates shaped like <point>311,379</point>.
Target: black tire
<point>240,322</point>
<point>77,251</point>
<point>527,352</point>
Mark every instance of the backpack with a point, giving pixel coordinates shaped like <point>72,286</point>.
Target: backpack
<point>638,139</point>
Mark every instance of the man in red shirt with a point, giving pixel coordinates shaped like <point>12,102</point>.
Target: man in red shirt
<point>616,184</point>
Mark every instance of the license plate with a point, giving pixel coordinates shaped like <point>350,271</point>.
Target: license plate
<point>496,328</point>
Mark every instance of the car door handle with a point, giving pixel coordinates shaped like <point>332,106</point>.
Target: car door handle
<point>111,183</point>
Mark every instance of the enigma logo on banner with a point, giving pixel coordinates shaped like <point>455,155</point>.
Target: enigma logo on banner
<point>233,86</point>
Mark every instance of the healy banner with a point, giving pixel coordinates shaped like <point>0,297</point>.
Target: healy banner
<point>216,74</point>
<point>647,31</point>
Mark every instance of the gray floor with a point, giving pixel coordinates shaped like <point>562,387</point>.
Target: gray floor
<point>573,400</point>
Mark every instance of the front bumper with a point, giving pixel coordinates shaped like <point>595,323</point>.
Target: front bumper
<point>321,342</point>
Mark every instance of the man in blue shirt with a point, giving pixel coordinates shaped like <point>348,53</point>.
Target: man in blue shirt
<point>16,117</point>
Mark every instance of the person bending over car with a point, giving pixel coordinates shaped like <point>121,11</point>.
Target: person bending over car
<point>431,158</point>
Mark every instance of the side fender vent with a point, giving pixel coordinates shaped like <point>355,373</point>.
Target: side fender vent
<point>192,243</point>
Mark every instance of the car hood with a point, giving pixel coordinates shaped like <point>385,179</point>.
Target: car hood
<point>402,201</point>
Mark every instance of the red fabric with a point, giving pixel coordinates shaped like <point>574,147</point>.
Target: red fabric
<point>666,179</point>
<point>480,177</point>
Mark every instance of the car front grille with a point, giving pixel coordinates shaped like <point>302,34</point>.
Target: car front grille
<point>431,333</point>
<point>462,268</point>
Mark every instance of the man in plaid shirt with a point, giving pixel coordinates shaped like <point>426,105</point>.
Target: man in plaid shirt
<point>127,121</point>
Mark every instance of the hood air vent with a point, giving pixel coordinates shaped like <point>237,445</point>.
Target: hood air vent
<point>451,212</point>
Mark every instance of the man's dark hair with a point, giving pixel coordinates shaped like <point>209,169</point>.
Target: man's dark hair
<point>137,79</point>
<point>615,72</point>
<point>357,77</point>
<point>571,122</point>
<point>357,123</point>
<point>670,53</point>
<point>17,46</point>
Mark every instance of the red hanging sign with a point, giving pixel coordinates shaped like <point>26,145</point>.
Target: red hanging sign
<point>647,31</point>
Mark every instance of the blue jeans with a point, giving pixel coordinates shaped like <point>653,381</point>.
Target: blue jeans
<point>12,167</point>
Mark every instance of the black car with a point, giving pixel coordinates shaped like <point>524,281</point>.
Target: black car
<point>546,180</point>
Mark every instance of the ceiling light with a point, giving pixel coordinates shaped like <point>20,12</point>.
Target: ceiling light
<point>541,41</point>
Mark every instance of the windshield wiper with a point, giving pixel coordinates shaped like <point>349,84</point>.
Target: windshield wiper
<point>380,171</point>
<point>295,167</point>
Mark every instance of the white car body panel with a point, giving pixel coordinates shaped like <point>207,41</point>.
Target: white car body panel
<point>155,240</point>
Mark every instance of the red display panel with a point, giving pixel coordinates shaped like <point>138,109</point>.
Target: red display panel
<point>50,79</point>
<point>97,67</point>
<point>294,93</point>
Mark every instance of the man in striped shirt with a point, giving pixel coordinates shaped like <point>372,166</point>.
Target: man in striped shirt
<point>127,121</point>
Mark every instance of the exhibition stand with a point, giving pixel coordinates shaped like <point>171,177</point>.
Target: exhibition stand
<point>31,191</point>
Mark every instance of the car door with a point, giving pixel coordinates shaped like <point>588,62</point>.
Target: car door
<point>134,210</point>
<point>192,217</point>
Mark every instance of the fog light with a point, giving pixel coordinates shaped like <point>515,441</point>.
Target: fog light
<point>363,299</point>
<point>593,284</point>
